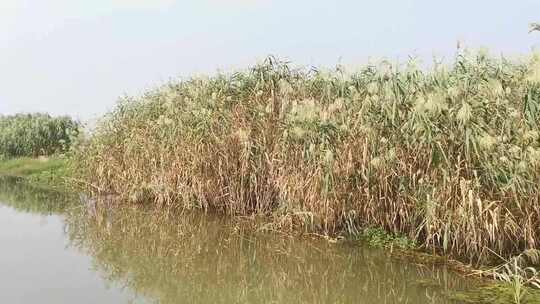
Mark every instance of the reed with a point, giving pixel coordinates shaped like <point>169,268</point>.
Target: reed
<point>448,157</point>
<point>33,135</point>
<point>518,275</point>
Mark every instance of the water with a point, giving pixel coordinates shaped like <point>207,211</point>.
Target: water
<point>56,250</point>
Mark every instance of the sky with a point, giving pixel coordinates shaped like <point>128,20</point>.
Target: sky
<point>77,57</point>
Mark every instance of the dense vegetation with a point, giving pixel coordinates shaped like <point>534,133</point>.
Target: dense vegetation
<point>34,135</point>
<point>448,157</point>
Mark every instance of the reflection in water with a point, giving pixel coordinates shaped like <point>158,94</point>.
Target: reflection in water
<point>194,258</point>
<point>35,264</point>
<point>204,259</point>
<point>16,193</point>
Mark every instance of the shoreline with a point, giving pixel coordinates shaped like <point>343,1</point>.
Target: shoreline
<point>46,172</point>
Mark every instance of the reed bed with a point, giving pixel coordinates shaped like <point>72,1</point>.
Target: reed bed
<point>449,156</point>
<point>33,135</point>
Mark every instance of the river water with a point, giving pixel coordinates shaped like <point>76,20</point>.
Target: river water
<point>53,249</point>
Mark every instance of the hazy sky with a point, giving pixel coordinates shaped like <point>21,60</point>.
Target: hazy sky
<point>77,56</point>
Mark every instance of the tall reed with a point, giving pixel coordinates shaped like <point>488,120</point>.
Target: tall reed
<point>35,134</point>
<point>449,157</point>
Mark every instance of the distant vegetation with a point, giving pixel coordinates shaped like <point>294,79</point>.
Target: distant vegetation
<point>33,135</point>
<point>449,158</point>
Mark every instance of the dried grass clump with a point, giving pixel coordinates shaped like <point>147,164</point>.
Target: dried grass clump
<point>448,157</point>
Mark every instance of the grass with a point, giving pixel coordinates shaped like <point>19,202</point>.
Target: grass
<point>448,158</point>
<point>519,277</point>
<point>43,171</point>
<point>30,145</point>
<point>379,238</point>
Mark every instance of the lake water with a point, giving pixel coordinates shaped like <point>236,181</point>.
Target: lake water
<point>54,250</point>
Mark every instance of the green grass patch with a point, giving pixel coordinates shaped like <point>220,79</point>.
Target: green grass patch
<point>48,172</point>
<point>379,238</point>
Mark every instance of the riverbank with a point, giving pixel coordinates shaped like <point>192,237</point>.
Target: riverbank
<point>24,196</point>
<point>49,172</point>
<point>193,257</point>
<point>446,159</point>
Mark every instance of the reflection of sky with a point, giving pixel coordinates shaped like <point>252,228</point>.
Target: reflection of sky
<point>36,266</point>
<point>76,57</point>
